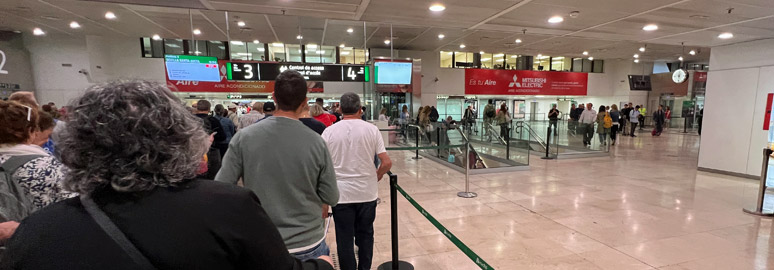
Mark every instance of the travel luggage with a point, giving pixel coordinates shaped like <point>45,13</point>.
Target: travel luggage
<point>14,203</point>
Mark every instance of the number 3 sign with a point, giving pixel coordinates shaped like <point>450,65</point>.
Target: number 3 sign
<point>2,63</point>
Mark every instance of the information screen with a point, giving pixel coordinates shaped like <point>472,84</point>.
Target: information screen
<point>192,68</point>
<point>393,72</point>
<point>245,71</point>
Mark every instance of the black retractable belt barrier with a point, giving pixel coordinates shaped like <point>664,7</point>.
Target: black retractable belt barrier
<point>395,263</point>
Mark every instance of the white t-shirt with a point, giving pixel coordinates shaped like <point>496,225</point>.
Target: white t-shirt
<point>353,145</point>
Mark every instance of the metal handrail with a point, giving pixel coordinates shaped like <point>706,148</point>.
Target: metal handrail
<point>470,146</point>
<point>532,132</point>
<point>495,133</point>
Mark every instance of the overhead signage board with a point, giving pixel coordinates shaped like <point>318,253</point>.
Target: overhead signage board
<point>525,82</point>
<point>192,68</point>
<point>249,71</point>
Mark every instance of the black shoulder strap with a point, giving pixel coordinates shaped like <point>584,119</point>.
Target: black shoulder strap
<point>12,164</point>
<point>115,233</point>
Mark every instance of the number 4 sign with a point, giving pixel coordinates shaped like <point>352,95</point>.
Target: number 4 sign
<point>2,63</point>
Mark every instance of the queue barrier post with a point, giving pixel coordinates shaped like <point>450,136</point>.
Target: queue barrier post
<point>548,144</point>
<point>417,157</point>
<point>759,211</point>
<point>467,193</point>
<point>395,263</point>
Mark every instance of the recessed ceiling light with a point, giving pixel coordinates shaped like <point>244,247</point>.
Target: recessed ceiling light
<point>585,53</point>
<point>636,60</point>
<point>650,27</point>
<point>342,45</point>
<point>256,41</point>
<point>38,32</point>
<point>726,35</point>
<point>591,58</point>
<point>441,36</point>
<point>197,32</point>
<point>481,52</point>
<point>299,37</point>
<point>518,40</point>
<point>462,46</point>
<point>437,7</point>
<point>350,30</point>
<point>692,52</point>
<point>241,23</point>
<point>680,58</point>
<point>556,19</point>
<point>110,15</point>
<point>642,49</point>
<point>156,37</point>
<point>75,25</point>
<point>636,55</point>
<point>386,41</point>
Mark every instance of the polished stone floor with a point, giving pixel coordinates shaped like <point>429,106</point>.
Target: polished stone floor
<point>645,207</point>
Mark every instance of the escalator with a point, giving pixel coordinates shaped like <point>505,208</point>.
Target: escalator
<point>536,143</point>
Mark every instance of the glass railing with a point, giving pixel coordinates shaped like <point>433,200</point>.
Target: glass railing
<point>447,143</point>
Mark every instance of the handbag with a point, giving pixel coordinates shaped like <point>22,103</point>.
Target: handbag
<point>115,233</point>
<point>429,128</point>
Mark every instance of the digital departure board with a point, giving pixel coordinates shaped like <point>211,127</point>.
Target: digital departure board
<point>192,68</point>
<point>245,71</point>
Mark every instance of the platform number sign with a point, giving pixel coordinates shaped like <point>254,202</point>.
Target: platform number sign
<point>2,63</point>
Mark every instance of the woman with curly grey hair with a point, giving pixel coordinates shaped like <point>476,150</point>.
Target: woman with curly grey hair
<point>132,149</point>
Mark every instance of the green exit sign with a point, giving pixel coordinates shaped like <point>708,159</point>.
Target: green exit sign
<point>233,96</point>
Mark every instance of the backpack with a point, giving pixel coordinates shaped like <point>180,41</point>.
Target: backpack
<point>608,121</point>
<point>14,203</point>
<point>490,113</point>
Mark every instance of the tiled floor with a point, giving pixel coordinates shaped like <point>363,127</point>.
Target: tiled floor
<point>645,208</point>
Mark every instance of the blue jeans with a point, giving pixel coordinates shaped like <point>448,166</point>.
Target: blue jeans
<point>355,221</point>
<point>314,253</point>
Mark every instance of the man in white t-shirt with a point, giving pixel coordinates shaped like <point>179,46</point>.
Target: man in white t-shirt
<point>353,143</point>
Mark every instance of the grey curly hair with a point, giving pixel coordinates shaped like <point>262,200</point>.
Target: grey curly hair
<point>130,136</point>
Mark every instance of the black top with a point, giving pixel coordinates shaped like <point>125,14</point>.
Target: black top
<point>578,112</point>
<point>625,112</point>
<point>315,125</point>
<point>198,225</point>
<point>553,114</point>
<point>212,124</point>
<point>338,117</point>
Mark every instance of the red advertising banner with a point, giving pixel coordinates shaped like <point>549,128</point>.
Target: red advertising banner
<point>525,82</point>
<point>223,85</point>
<point>767,120</point>
<point>699,76</point>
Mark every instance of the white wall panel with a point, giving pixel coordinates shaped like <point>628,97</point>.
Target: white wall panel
<point>728,117</point>
<point>758,136</point>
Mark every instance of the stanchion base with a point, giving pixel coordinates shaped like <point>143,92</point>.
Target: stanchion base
<point>467,194</point>
<point>753,212</point>
<point>401,266</point>
<point>416,158</point>
<point>547,158</point>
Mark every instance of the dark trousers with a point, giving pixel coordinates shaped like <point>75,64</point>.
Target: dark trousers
<point>504,131</point>
<point>552,126</point>
<point>634,127</point>
<point>588,133</point>
<point>355,221</point>
<point>613,131</point>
